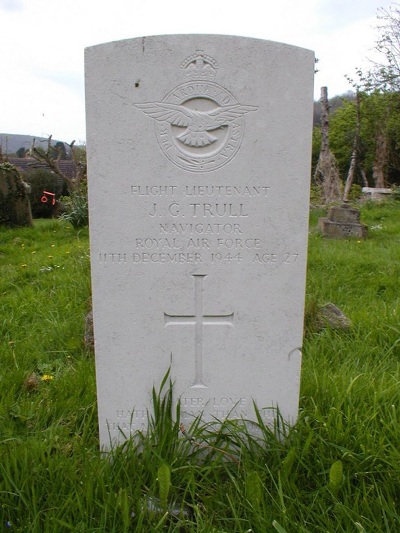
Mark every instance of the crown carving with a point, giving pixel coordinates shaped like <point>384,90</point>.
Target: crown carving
<point>200,66</point>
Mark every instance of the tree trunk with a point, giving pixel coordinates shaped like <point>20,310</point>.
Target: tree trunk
<point>73,184</point>
<point>353,160</point>
<point>327,173</point>
<point>364,178</point>
<point>380,161</point>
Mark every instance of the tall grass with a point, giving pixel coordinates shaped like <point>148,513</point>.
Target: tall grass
<point>337,469</point>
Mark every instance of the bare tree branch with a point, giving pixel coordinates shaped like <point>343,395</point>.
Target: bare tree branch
<point>46,158</point>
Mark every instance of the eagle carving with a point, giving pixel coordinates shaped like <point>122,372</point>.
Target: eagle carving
<point>197,124</point>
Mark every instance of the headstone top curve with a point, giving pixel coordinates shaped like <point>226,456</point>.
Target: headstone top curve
<point>185,36</point>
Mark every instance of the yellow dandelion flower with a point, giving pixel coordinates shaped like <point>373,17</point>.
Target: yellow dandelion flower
<point>47,377</point>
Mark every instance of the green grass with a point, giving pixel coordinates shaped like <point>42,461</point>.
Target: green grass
<point>337,470</point>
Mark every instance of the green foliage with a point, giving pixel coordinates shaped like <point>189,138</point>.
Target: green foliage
<point>278,527</point>
<point>336,476</point>
<point>316,195</point>
<point>253,488</point>
<point>76,207</point>
<point>42,180</point>
<point>396,194</point>
<point>341,134</point>
<point>123,505</point>
<point>316,148</point>
<point>80,154</point>
<point>336,470</point>
<point>355,193</point>
<point>58,151</point>
<point>380,119</point>
<point>21,152</point>
<point>164,483</point>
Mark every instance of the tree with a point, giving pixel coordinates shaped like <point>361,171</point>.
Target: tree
<point>21,152</point>
<point>341,134</point>
<point>58,151</point>
<point>380,130</point>
<point>47,157</point>
<point>327,173</point>
<point>385,75</point>
<point>355,153</point>
<point>380,121</point>
<point>76,204</point>
<point>374,125</point>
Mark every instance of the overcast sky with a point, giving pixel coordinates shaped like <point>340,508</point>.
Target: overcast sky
<point>42,44</point>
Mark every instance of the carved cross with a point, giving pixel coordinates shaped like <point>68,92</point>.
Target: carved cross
<point>198,320</point>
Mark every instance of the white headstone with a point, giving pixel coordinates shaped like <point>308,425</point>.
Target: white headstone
<point>199,153</point>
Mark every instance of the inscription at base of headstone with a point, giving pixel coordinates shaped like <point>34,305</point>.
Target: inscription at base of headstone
<point>342,221</point>
<point>199,164</point>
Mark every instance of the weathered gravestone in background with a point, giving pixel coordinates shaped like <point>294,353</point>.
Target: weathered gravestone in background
<point>199,162</point>
<point>15,208</point>
<point>342,222</point>
<point>375,193</point>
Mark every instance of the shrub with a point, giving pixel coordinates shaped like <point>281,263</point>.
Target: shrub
<point>42,180</point>
<point>76,207</point>
<point>396,193</point>
<point>355,192</point>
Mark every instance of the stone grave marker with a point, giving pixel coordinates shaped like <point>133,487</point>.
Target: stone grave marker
<point>199,164</point>
<point>15,207</point>
<point>342,222</point>
<point>376,193</point>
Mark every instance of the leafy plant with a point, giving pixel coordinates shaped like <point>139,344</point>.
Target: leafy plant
<point>253,488</point>
<point>164,483</point>
<point>76,208</point>
<point>335,476</point>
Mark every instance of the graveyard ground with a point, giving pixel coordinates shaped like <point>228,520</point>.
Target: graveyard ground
<point>337,470</point>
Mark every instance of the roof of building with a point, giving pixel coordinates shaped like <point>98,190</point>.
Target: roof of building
<point>25,164</point>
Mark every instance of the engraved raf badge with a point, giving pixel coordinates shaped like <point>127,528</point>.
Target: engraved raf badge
<point>199,124</point>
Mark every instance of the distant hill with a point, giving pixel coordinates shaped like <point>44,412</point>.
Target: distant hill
<point>10,142</point>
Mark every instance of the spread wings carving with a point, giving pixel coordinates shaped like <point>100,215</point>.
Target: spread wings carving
<point>197,124</point>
